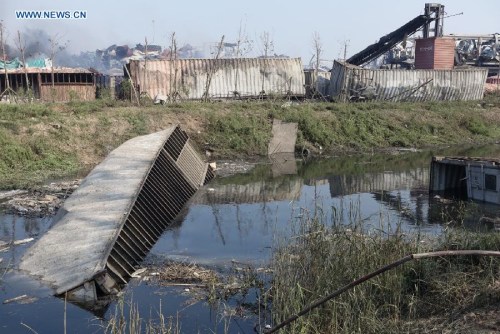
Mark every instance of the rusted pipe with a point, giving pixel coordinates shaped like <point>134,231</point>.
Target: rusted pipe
<point>376,273</point>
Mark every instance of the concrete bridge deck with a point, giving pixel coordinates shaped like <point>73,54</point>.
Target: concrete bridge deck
<point>107,226</point>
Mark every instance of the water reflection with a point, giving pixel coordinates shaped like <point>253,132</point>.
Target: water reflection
<point>243,216</point>
<point>239,217</point>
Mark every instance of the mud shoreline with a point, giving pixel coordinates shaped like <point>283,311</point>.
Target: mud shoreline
<point>45,200</point>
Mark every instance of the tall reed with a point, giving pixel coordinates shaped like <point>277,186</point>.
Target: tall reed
<point>322,257</point>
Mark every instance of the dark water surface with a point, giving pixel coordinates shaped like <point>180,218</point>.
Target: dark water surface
<point>238,219</point>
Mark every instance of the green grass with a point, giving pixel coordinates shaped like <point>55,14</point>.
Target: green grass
<point>320,258</point>
<point>50,139</point>
<point>238,132</point>
<point>33,160</point>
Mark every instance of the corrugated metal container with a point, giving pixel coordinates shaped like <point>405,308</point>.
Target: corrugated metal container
<point>476,178</point>
<point>436,53</point>
<point>317,83</point>
<point>353,83</point>
<point>225,78</point>
<point>69,83</point>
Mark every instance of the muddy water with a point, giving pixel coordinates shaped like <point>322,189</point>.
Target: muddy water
<point>235,221</point>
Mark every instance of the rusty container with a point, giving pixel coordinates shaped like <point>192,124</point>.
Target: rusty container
<point>436,53</point>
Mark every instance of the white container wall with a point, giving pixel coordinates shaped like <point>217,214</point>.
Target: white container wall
<point>225,78</point>
<point>353,83</point>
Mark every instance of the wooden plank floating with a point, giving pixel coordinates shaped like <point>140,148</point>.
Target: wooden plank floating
<point>109,224</point>
<point>467,178</point>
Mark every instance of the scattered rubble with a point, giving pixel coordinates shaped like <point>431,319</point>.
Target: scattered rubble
<point>42,201</point>
<point>11,193</point>
<point>203,283</point>
<point>179,273</point>
<point>227,168</point>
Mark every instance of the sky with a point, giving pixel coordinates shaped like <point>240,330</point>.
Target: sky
<point>290,24</point>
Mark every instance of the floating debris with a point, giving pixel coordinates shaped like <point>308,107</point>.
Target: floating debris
<point>182,274</point>
<point>22,241</point>
<point>39,202</point>
<point>138,272</point>
<point>23,299</point>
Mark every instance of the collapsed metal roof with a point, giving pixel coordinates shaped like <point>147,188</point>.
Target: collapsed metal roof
<point>48,70</point>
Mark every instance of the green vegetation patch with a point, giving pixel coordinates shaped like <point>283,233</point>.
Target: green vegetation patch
<point>31,160</point>
<point>238,132</point>
<point>83,133</point>
<point>320,259</point>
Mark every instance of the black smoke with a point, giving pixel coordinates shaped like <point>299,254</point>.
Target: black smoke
<point>37,43</point>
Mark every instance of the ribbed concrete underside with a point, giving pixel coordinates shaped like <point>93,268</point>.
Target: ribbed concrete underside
<point>89,227</point>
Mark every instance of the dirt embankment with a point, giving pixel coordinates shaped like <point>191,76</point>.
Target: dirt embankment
<point>44,141</point>
<point>46,199</point>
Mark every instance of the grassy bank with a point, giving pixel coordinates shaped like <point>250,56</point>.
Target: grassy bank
<point>40,141</point>
<point>427,295</point>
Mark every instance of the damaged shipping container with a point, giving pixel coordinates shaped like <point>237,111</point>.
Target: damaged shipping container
<point>354,83</point>
<point>218,78</point>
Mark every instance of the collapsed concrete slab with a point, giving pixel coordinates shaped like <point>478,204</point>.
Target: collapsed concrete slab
<point>284,137</point>
<point>108,225</point>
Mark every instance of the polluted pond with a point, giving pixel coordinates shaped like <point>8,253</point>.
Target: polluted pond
<point>211,268</point>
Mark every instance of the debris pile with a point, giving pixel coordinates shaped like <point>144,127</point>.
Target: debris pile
<point>180,273</point>
<point>45,200</point>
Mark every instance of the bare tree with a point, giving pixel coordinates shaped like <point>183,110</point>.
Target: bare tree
<point>345,44</point>
<point>4,59</point>
<point>21,46</point>
<point>212,69</point>
<point>267,49</point>
<point>316,57</point>
<point>144,84</point>
<point>55,48</point>
<point>173,68</point>
<point>267,44</point>
<point>318,50</point>
<point>243,47</point>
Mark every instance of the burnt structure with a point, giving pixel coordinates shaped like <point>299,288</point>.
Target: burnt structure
<point>466,177</point>
<point>433,13</point>
<point>59,85</point>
